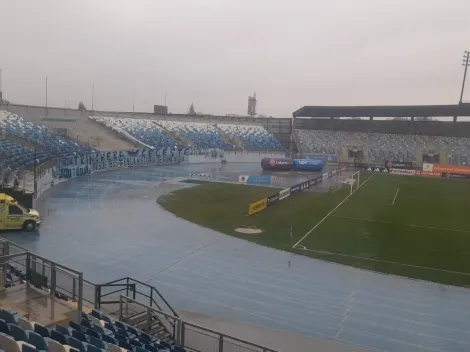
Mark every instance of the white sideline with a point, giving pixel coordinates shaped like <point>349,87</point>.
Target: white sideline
<point>331,212</point>
<point>395,198</point>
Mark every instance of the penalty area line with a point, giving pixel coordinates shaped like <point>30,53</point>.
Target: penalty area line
<point>382,261</point>
<point>395,198</point>
<point>331,212</point>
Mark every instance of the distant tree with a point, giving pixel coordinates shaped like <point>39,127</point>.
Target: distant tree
<point>5,101</point>
<point>191,110</point>
<point>81,106</point>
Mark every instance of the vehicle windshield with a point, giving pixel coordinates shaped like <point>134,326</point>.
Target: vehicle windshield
<point>22,207</point>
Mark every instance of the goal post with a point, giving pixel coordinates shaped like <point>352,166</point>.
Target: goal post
<point>355,177</point>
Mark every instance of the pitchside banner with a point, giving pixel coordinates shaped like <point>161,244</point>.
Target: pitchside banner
<point>403,172</point>
<point>399,165</point>
<point>264,203</point>
<point>254,180</point>
<point>79,165</point>
<point>324,158</point>
<point>451,169</point>
<point>256,207</point>
<point>372,168</point>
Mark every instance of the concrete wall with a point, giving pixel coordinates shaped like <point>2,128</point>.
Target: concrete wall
<point>432,128</point>
<point>234,157</point>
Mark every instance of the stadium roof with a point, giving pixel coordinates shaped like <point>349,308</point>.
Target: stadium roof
<point>384,111</point>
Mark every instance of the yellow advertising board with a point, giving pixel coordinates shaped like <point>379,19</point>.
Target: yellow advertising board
<point>257,206</point>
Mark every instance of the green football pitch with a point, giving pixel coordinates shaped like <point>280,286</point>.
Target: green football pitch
<point>404,225</point>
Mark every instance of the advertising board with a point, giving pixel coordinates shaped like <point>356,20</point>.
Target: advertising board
<point>277,164</point>
<point>257,206</point>
<point>324,158</point>
<point>258,180</point>
<point>452,175</point>
<point>372,168</point>
<point>284,193</point>
<point>308,164</point>
<point>399,165</point>
<point>272,199</point>
<point>428,173</point>
<point>454,169</point>
<point>295,188</point>
<point>403,172</point>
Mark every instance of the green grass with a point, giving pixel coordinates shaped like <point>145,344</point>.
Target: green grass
<point>427,227</point>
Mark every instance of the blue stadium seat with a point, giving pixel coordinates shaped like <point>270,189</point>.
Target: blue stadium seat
<point>120,337</point>
<point>27,348</point>
<point>18,333</point>
<point>79,335</point>
<point>125,345</point>
<point>37,340</point>
<point>85,323</point>
<point>91,348</point>
<point>96,342</point>
<point>75,326</point>
<point>8,317</point>
<point>41,330</point>
<point>96,314</point>
<point>73,342</point>
<point>92,333</point>
<point>135,343</point>
<point>63,330</point>
<point>4,327</point>
<point>108,339</point>
<point>57,336</point>
<point>151,348</point>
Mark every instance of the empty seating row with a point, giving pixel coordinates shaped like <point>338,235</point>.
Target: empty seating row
<point>252,136</point>
<point>383,146</point>
<point>143,130</point>
<point>15,125</point>
<point>198,134</point>
<point>167,133</point>
<point>96,333</point>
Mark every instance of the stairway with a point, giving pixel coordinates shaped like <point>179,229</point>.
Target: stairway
<point>158,328</point>
<point>147,302</point>
<point>178,138</point>
<point>24,142</point>
<point>237,142</point>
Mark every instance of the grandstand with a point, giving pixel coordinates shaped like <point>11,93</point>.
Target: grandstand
<point>167,133</point>
<point>46,306</point>
<point>32,136</point>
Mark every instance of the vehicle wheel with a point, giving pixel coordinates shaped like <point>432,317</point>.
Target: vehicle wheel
<point>29,225</point>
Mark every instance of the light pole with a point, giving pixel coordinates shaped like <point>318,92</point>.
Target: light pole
<point>465,63</point>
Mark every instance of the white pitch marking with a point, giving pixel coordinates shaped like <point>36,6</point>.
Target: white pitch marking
<point>400,223</point>
<point>387,261</point>
<point>395,198</point>
<point>331,212</point>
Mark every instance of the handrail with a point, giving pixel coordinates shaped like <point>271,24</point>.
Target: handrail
<point>158,293</point>
<point>130,283</point>
<point>181,323</point>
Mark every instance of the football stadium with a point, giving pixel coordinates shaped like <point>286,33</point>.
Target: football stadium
<point>220,233</point>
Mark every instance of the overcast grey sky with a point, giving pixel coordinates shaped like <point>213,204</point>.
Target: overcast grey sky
<point>217,52</point>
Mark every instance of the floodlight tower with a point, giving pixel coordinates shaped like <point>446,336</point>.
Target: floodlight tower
<point>465,63</point>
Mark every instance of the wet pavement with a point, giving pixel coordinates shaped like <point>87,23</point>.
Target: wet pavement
<point>108,225</point>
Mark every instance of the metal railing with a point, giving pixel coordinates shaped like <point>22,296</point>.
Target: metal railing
<point>189,335</point>
<point>138,290</point>
<point>60,280</point>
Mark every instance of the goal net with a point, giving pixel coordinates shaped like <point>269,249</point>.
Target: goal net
<point>352,181</point>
